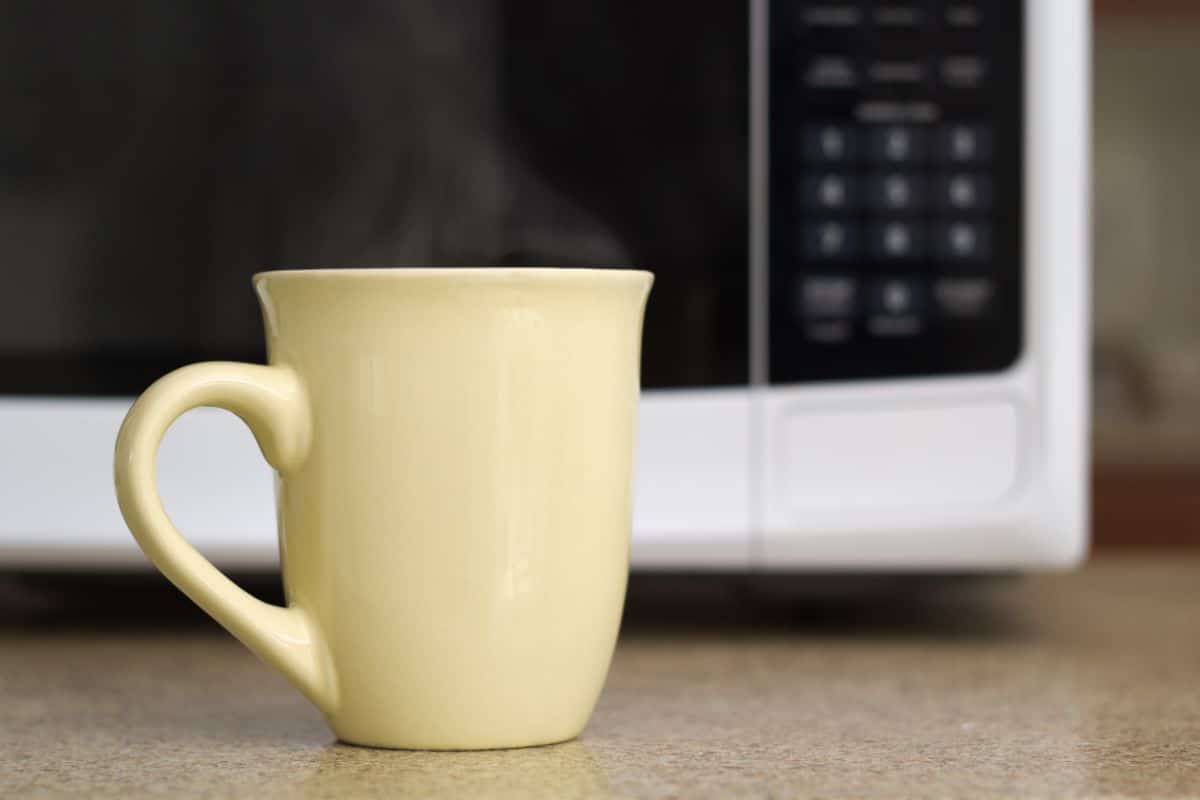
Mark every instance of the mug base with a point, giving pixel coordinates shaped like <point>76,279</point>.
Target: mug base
<point>450,748</point>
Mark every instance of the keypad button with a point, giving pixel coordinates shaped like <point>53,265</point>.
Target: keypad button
<point>826,297</point>
<point>897,144</point>
<point>829,331</point>
<point>897,241</point>
<point>964,192</point>
<point>830,72</point>
<point>830,144</point>
<point>832,192</point>
<point>964,16</point>
<point>896,307</point>
<point>830,16</point>
<point>830,240</point>
<point>899,192</point>
<point>897,297</point>
<point>964,144</point>
<point>963,72</point>
<point>898,73</point>
<point>963,241</point>
<point>964,298</point>
<point>899,16</point>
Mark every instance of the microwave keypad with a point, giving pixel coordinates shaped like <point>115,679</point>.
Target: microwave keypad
<point>895,135</point>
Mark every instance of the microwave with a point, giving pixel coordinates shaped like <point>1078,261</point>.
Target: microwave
<point>866,349</point>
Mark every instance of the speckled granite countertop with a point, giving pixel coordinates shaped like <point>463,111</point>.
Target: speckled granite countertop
<point>1054,686</point>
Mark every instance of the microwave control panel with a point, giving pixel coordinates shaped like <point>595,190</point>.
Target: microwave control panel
<point>896,171</point>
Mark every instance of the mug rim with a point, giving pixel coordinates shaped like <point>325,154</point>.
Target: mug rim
<point>412,273</point>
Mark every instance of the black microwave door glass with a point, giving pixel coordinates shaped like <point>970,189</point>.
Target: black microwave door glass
<point>155,155</point>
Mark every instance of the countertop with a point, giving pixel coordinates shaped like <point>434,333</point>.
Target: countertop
<point>1084,684</point>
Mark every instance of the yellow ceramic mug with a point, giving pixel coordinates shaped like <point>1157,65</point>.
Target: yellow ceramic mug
<point>454,452</point>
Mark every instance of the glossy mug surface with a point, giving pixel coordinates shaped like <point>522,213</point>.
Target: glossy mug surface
<point>454,451</point>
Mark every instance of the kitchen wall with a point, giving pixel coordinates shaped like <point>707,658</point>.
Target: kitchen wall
<point>1147,276</point>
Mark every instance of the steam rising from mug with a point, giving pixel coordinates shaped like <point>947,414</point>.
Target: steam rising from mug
<point>429,172</point>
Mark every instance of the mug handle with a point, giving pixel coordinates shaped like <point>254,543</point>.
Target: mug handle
<point>271,400</point>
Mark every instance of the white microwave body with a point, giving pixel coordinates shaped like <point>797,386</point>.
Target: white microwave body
<point>859,433</point>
